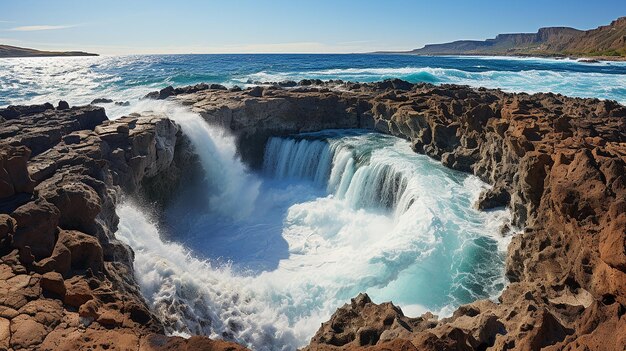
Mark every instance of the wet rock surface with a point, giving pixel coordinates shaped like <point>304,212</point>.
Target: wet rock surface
<point>557,162</point>
<point>66,283</point>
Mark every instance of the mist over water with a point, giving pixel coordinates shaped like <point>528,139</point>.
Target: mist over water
<point>330,215</point>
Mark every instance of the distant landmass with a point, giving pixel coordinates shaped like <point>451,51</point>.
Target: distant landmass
<point>14,51</point>
<point>607,42</point>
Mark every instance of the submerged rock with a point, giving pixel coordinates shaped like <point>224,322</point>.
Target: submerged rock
<point>101,101</point>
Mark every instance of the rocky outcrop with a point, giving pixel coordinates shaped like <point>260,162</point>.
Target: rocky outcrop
<point>557,162</point>
<point>256,113</point>
<point>170,90</point>
<point>66,283</point>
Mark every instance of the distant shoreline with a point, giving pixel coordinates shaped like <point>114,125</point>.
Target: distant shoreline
<point>53,55</point>
<point>8,51</point>
<point>579,58</point>
<point>604,43</point>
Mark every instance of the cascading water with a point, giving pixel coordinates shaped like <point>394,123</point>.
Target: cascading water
<point>345,165</point>
<point>332,214</point>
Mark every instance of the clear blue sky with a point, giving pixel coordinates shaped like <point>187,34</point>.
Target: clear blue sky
<point>195,26</point>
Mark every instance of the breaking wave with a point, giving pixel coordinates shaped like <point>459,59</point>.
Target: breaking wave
<point>580,84</point>
<point>79,80</point>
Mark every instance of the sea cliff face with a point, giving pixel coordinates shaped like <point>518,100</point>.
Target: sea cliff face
<point>606,41</point>
<point>557,162</point>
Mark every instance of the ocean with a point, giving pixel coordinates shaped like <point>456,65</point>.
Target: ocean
<point>81,79</point>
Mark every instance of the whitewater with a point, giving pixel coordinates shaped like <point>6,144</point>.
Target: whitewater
<point>331,214</point>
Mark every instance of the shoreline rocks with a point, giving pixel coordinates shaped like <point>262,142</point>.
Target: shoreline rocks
<point>66,282</point>
<point>557,162</point>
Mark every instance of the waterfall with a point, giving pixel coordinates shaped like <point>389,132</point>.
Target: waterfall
<point>331,215</point>
<point>304,159</point>
<point>346,171</point>
<point>231,189</point>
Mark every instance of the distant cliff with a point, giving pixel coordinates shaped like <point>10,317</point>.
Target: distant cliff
<point>14,51</point>
<point>607,41</point>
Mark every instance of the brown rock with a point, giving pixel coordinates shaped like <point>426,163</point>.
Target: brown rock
<point>5,334</point>
<point>363,323</point>
<point>90,339</point>
<point>44,311</point>
<point>26,332</point>
<point>52,282</point>
<point>89,310</point>
<point>613,239</point>
<point>161,343</point>
<point>111,318</point>
<point>85,250</point>
<point>60,261</point>
<point>549,331</point>
<point>14,176</point>
<point>78,204</point>
<point>36,227</point>
<point>7,226</point>
<point>77,292</point>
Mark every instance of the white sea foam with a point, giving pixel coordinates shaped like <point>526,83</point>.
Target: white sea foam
<point>571,83</point>
<point>337,214</point>
<point>531,81</point>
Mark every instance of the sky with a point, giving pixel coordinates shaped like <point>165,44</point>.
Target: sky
<point>248,26</point>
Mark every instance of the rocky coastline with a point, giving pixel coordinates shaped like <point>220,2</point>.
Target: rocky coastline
<point>66,283</point>
<point>557,162</point>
